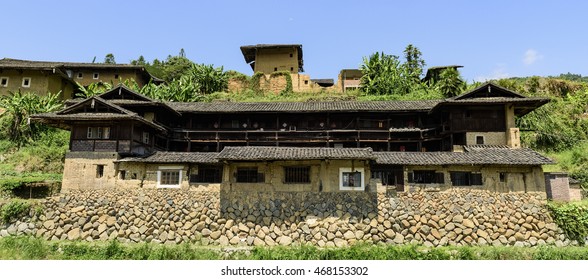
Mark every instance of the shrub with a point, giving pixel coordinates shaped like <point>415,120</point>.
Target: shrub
<point>572,218</point>
<point>14,209</point>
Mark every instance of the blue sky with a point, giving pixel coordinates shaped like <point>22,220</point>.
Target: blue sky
<point>491,39</point>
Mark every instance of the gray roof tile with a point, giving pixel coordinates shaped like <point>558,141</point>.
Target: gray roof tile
<point>293,153</point>
<point>492,156</point>
<point>174,157</point>
<point>299,107</point>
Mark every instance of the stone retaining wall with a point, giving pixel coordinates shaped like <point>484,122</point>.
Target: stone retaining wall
<point>453,217</point>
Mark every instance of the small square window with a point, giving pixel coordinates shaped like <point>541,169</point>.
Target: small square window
<point>96,76</point>
<point>291,55</point>
<point>291,68</point>
<point>99,171</point>
<point>80,75</point>
<point>275,69</point>
<point>26,82</point>
<point>479,140</point>
<point>4,82</point>
<point>306,82</point>
<point>116,76</point>
<point>169,177</point>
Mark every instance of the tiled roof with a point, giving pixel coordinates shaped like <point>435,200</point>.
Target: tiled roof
<point>293,153</point>
<point>19,63</point>
<point>298,107</point>
<point>53,117</point>
<point>172,157</point>
<point>492,156</point>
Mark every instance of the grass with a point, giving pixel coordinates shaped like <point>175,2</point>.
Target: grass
<point>30,248</point>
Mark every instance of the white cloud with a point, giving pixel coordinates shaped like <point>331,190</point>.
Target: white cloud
<point>499,72</point>
<point>531,56</point>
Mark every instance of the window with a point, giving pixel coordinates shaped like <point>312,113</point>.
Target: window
<point>116,76</point>
<point>96,76</point>
<point>99,171</point>
<point>466,178</point>
<point>351,179</point>
<point>122,174</point>
<point>426,177</point>
<point>235,124</point>
<point>146,137</point>
<point>479,140</point>
<point>207,174</point>
<point>3,81</point>
<point>502,176</point>
<point>80,75</point>
<point>291,55</point>
<point>249,175</point>
<point>26,82</point>
<point>98,132</point>
<point>297,174</point>
<point>306,82</point>
<point>291,68</point>
<point>169,176</point>
<point>275,69</point>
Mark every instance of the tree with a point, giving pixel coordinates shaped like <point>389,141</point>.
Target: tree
<point>209,79</point>
<point>139,61</point>
<point>174,67</point>
<point>414,63</point>
<point>382,74</point>
<point>450,83</point>
<point>109,59</point>
<point>18,107</point>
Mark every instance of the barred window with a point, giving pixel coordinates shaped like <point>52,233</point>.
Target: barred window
<point>249,175</point>
<point>466,178</point>
<point>426,177</point>
<point>297,174</point>
<point>170,177</point>
<point>207,174</point>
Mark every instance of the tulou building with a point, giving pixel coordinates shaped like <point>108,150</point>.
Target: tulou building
<point>64,77</point>
<point>122,139</point>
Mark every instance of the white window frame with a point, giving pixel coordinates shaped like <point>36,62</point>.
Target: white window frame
<point>80,75</point>
<point>4,78</point>
<point>98,132</point>
<point>25,79</point>
<point>349,169</point>
<point>180,169</point>
<point>96,76</point>
<point>146,137</point>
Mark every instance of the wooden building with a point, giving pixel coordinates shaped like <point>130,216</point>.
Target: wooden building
<point>121,138</point>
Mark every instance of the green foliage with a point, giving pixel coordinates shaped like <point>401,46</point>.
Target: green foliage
<point>208,78</point>
<point>383,74</point>
<point>255,81</point>
<point>574,161</point>
<point>92,89</point>
<point>18,108</point>
<point>14,209</point>
<point>558,125</point>
<point>288,89</point>
<point>175,66</point>
<point>572,218</point>
<point>23,247</point>
<point>414,63</point>
<point>450,83</point>
<point>109,59</point>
